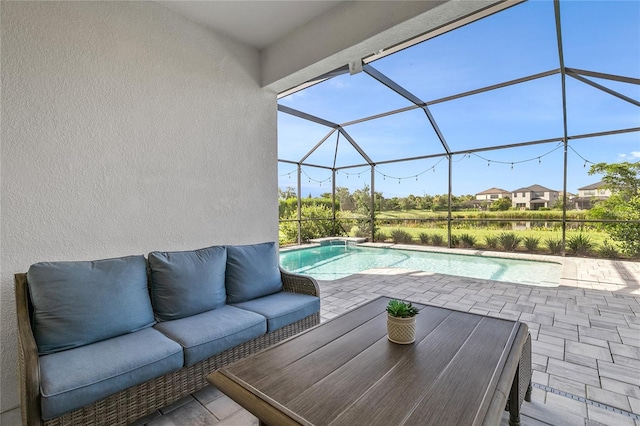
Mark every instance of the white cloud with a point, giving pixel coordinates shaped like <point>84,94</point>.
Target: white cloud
<point>633,155</point>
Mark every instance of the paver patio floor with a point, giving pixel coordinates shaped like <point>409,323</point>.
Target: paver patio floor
<point>586,339</point>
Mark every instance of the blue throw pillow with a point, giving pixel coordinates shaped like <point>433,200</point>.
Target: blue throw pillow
<point>252,271</point>
<point>78,303</point>
<point>186,283</point>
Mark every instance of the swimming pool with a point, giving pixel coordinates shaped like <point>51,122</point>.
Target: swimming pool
<point>332,262</point>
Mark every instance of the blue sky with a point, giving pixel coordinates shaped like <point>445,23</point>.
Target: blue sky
<point>600,36</point>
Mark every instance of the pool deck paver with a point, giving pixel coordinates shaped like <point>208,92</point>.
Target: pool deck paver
<point>586,338</point>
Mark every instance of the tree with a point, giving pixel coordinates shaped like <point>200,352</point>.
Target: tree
<point>623,179</point>
<point>558,204</point>
<point>392,203</point>
<point>290,192</point>
<point>408,203</point>
<point>345,198</point>
<point>426,202</point>
<point>440,202</point>
<point>501,204</point>
<point>362,198</point>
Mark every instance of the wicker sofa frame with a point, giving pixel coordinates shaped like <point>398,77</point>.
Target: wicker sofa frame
<point>521,388</point>
<point>131,404</point>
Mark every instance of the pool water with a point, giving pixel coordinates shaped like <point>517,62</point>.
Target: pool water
<point>332,262</point>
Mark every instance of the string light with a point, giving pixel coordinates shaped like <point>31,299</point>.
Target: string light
<point>510,163</point>
<point>489,161</point>
<point>578,154</point>
<point>355,173</point>
<point>315,180</point>
<point>539,158</point>
<point>288,173</point>
<point>433,168</point>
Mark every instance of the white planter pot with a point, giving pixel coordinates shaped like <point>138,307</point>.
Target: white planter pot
<point>401,330</point>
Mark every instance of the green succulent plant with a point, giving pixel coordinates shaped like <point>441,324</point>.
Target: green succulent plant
<point>400,309</point>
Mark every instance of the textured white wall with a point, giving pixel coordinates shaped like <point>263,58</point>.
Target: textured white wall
<point>125,129</point>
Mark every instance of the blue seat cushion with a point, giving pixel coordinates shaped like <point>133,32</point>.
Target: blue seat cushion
<point>187,283</point>
<point>252,271</point>
<point>282,308</point>
<point>78,303</point>
<point>74,378</point>
<point>207,334</point>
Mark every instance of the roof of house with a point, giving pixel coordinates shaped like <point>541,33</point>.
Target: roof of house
<point>535,187</point>
<point>494,191</point>
<point>592,186</point>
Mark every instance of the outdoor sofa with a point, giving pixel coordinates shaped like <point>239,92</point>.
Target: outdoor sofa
<point>111,341</point>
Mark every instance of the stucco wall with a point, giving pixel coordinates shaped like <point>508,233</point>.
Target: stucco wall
<point>125,129</point>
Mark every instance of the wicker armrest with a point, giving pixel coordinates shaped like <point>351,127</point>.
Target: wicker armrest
<point>27,356</point>
<point>299,283</point>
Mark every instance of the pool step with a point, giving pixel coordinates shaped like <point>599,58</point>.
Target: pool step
<point>342,240</point>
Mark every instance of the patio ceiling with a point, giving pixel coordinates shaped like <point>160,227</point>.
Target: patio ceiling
<point>255,23</point>
<point>537,73</point>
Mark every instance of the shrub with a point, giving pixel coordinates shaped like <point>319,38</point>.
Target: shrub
<point>400,236</point>
<point>554,246</point>
<point>531,243</point>
<point>508,241</point>
<point>580,244</point>
<point>424,238</point>
<point>455,240</point>
<point>491,242</point>
<point>468,240</point>
<point>309,228</point>
<point>608,250</point>
<point>622,205</point>
<point>437,240</point>
<point>356,231</point>
<point>381,236</point>
<point>362,229</point>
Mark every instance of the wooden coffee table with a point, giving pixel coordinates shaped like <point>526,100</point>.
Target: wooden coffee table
<point>461,370</point>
